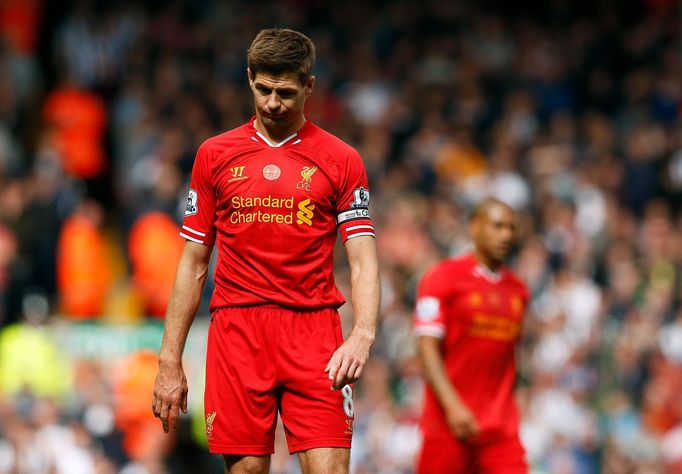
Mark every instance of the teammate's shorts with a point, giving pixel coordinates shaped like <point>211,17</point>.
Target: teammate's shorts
<point>261,360</point>
<point>443,453</point>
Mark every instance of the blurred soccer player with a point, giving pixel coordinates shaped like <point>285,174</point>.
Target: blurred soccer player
<point>468,320</point>
<point>271,194</point>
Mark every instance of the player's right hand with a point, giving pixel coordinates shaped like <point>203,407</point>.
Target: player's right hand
<point>462,422</point>
<point>170,394</point>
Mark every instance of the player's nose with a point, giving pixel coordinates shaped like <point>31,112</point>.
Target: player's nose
<point>273,102</point>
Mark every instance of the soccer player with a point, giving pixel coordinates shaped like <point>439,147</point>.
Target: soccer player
<point>272,195</point>
<point>468,319</point>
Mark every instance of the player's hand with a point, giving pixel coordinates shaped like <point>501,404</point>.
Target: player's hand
<point>170,394</point>
<point>462,422</point>
<point>348,361</point>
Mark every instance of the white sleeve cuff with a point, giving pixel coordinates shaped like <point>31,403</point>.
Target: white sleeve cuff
<point>430,330</point>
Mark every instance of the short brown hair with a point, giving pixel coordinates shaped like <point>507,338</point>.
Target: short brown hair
<point>280,51</point>
<point>484,206</point>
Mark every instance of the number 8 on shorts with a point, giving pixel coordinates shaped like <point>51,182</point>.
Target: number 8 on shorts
<point>347,393</point>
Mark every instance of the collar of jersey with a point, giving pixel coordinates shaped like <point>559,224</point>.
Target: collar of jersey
<point>255,132</point>
<point>485,272</point>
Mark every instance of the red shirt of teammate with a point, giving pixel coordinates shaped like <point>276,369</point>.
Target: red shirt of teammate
<point>246,191</point>
<point>468,319</point>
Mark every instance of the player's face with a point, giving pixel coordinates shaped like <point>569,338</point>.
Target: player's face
<point>494,232</point>
<point>279,99</point>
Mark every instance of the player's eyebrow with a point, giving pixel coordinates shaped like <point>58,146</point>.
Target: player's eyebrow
<point>285,89</point>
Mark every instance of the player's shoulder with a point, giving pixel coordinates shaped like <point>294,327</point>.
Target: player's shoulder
<point>449,267</point>
<point>516,281</point>
<point>462,263</point>
<point>225,140</point>
<point>327,141</point>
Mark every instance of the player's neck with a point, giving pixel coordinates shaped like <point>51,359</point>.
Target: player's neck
<point>488,262</point>
<point>276,135</point>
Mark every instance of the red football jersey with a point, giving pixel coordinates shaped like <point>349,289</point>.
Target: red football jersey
<point>478,315</point>
<point>273,210</point>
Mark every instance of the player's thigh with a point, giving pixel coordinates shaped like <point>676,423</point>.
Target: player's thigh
<point>240,399</point>
<point>325,461</point>
<point>235,464</point>
<point>313,415</point>
<point>443,453</point>
<point>503,457</point>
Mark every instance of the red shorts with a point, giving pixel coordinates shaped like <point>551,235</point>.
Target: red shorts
<point>261,360</point>
<point>445,454</point>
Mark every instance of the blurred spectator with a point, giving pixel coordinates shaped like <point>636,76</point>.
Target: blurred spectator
<point>19,22</point>
<point>29,361</point>
<point>133,380</point>
<point>93,43</point>
<point>155,250</point>
<point>83,270</point>
<point>8,253</point>
<point>76,121</point>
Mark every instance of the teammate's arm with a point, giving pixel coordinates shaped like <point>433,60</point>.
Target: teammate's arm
<point>347,362</point>
<point>459,417</point>
<point>170,388</point>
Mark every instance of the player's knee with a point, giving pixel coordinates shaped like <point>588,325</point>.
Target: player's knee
<point>327,469</point>
<point>235,464</point>
<point>325,461</point>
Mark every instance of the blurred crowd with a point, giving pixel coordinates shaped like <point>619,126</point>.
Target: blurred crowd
<point>571,113</point>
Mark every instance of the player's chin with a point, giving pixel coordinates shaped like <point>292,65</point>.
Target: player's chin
<point>276,119</point>
<point>503,252</point>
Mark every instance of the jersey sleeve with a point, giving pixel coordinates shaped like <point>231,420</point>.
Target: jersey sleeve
<point>429,313</point>
<point>199,223</point>
<point>352,203</point>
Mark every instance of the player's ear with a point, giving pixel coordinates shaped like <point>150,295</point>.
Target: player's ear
<point>309,84</point>
<point>250,76</point>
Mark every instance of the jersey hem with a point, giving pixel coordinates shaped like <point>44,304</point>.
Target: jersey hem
<point>320,443</point>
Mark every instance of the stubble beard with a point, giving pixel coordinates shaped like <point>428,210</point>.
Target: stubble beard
<point>274,123</point>
<point>277,126</point>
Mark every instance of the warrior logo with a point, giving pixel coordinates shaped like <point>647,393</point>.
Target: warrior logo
<point>237,174</point>
<point>192,203</point>
<point>209,424</point>
<point>305,212</point>
<point>306,177</point>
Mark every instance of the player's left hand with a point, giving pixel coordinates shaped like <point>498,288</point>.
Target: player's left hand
<point>348,361</point>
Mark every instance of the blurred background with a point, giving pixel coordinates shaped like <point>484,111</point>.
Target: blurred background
<point>568,111</point>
